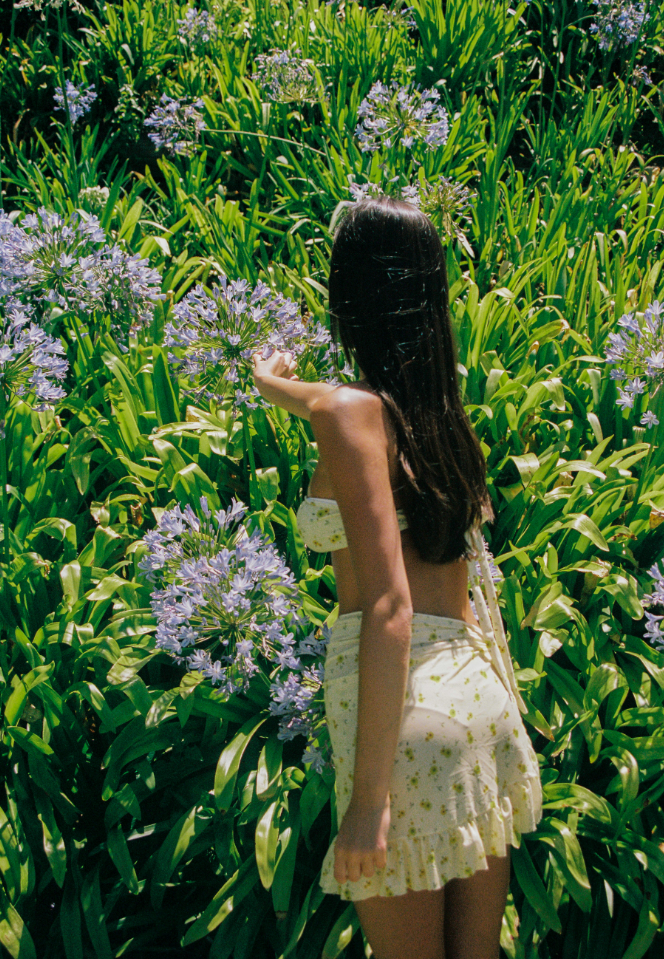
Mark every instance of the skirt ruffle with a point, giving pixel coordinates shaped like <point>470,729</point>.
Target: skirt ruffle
<point>430,861</point>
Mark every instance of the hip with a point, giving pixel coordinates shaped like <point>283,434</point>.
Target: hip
<point>432,638</point>
<point>451,675</point>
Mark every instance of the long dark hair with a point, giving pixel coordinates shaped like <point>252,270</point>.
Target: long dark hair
<point>389,308</point>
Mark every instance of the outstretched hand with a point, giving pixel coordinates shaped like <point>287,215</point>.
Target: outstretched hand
<point>361,843</point>
<point>278,364</point>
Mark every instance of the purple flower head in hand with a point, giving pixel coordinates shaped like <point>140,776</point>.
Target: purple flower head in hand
<point>214,335</point>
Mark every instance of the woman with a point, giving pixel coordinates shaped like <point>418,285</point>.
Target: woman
<point>435,773</point>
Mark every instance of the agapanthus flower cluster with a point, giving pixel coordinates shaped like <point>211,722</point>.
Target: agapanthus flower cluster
<point>39,5</point>
<point>654,630</point>
<point>367,191</point>
<point>216,335</point>
<point>637,351</point>
<point>176,125</point>
<point>287,79</point>
<point>445,201</point>
<point>403,115</point>
<point>298,698</point>
<point>403,18</point>
<point>448,203</point>
<point>618,22</point>
<point>47,261</point>
<point>640,75</point>
<point>197,29</point>
<point>94,196</point>
<point>79,99</point>
<point>31,361</point>
<point>226,605</point>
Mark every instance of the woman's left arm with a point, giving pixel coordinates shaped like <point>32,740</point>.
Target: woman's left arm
<point>352,440</point>
<point>276,381</point>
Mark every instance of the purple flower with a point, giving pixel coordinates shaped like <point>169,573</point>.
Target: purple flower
<point>215,587</point>
<point>625,400</point>
<point>640,75</point>
<point>629,322</point>
<point>226,606</point>
<point>649,419</point>
<point>31,361</point>
<point>79,99</point>
<point>655,363</point>
<point>214,337</point>
<point>197,29</point>
<point>288,79</point>
<point>47,261</point>
<point>653,630</point>
<point>405,114</point>
<point>176,125</point>
<point>617,347</point>
<point>635,386</point>
<point>657,594</point>
<point>618,23</point>
<point>639,350</point>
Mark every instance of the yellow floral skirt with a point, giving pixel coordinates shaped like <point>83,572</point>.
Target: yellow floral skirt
<point>465,781</point>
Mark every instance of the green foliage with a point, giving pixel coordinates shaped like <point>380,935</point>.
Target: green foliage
<point>139,810</point>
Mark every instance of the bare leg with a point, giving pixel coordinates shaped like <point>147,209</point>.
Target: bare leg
<point>474,910</point>
<point>404,927</point>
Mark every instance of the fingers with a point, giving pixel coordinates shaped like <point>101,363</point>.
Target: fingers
<point>351,868</point>
<point>277,364</point>
<point>290,362</point>
<point>368,867</point>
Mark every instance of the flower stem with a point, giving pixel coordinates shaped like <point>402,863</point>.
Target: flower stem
<point>654,444</point>
<point>2,88</point>
<point>3,477</point>
<point>73,164</point>
<point>270,136</point>
<point>253,481</point>
<point>308,176</point>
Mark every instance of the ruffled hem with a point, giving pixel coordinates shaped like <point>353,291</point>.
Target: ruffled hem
<point>429,861</point>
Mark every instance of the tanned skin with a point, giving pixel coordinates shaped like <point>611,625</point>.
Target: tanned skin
<point>381,574</point>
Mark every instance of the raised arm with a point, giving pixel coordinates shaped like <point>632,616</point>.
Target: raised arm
<point>276,381</point>
<point>352,441</point>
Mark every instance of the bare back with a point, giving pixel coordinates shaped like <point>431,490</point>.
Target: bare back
<point>440,589</point>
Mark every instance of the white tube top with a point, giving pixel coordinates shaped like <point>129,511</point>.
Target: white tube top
<point>321,526</point>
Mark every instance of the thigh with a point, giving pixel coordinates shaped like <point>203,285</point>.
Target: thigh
<point>474,910</point>
<point>404,927</point>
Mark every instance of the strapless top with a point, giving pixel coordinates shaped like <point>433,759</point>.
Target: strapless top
<point>320,524</point>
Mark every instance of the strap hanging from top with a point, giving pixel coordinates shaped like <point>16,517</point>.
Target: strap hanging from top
<point>488,613</point>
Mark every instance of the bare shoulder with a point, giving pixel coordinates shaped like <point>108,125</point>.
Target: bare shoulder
<point>348,409</point>
<point>349,425</point>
